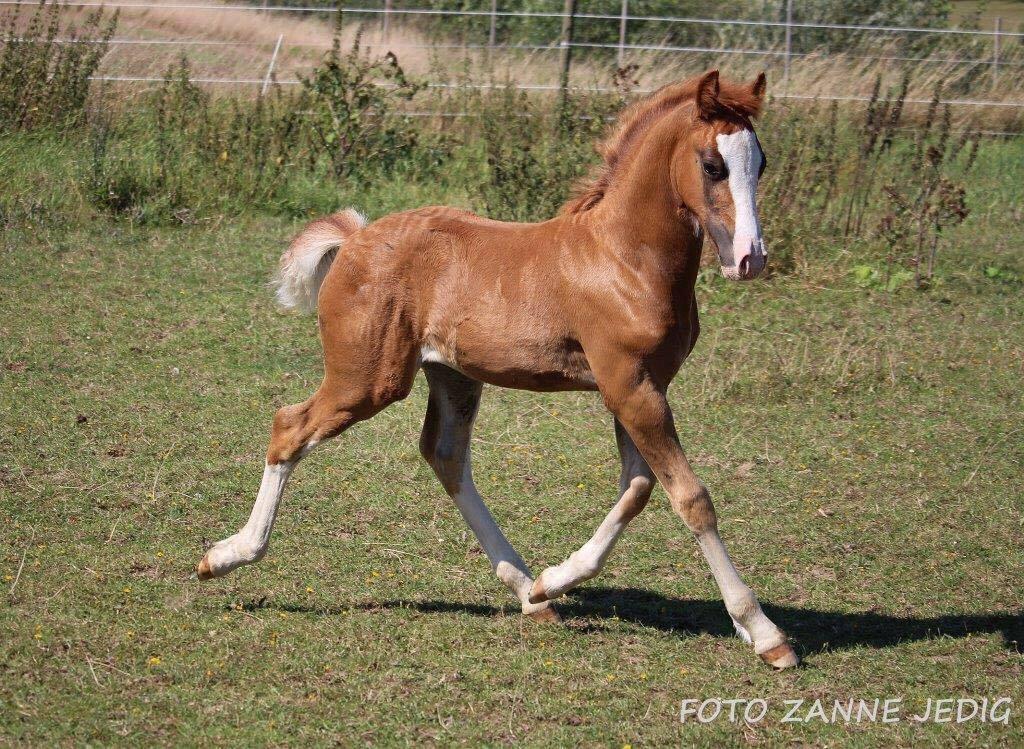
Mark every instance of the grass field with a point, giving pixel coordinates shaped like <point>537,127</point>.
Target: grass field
<point>864,450</point>
<point>1010,11</point>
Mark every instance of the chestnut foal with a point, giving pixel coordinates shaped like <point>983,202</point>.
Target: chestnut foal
<point>600,297</point>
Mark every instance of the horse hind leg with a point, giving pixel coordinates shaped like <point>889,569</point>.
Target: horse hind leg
<point>444,444</point>
<point>296,430</point>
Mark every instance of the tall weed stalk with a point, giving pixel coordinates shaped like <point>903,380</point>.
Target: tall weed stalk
<point>46,65</point>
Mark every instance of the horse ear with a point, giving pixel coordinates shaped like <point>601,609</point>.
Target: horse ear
<point>759,86</point>
<point>707,95</point>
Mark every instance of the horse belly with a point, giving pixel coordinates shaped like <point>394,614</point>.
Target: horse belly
<point>507,358</point>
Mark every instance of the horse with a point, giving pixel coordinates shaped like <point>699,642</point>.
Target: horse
<point>600,297</point>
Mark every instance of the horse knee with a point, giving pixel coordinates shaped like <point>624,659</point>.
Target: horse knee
<point>635,496</point>
<point>448,467</point>
<point>694,506</point>
<point>444,446</point>
<point>642,487</point>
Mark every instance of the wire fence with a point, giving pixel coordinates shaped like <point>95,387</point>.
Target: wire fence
<point>267,56</point>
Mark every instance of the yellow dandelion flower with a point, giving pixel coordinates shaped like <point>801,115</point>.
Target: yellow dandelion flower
<point>154,660</point>
<point>309,589</point>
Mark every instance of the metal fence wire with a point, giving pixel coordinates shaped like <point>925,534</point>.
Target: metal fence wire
<point>993,43</point>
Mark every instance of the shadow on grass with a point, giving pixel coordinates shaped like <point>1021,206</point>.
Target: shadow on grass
<point>813,630</point>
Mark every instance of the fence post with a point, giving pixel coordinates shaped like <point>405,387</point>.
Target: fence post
<point>789,44</point>
<point>386,19</point>
<point>492,38</point>
<point>270,68</point>
<point>995,51</point>
<point>623,20</point>
<point>568,19</point>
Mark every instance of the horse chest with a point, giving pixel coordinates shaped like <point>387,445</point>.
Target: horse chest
<point>665,336</point>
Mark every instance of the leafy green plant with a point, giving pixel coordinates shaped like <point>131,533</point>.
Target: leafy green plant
<point>925,199</point>
<point>798,190</point>
<point>45,66</point>
<point>873,278</point>
<point>350,102</point>
<point>1002,275</point>
<point>182,153</point>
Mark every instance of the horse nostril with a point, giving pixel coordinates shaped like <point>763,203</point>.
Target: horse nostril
<point>745,267</point>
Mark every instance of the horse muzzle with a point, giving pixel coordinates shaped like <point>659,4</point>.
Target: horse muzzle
<point>749,258</point>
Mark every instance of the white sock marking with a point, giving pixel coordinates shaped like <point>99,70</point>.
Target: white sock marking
<point>739,600</point>
<point>506,562</point>
<point>250,544</point>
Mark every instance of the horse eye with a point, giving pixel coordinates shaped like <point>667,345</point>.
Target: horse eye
<point>714,171</point>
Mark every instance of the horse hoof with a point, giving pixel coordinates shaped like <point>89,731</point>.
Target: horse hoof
<point>204,571</point>
<point>546,615</point>
<point>780,657</point>
<point>537,593</point>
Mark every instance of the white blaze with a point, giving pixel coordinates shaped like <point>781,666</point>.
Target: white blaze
<point>742,156</point>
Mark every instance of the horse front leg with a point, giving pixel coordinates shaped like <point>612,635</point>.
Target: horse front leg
<point>642,408</point>
<point>636,481</point>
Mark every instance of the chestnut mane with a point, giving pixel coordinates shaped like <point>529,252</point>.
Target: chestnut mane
<point>735,101</point>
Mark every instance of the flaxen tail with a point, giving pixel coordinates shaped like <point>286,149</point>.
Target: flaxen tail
<point>305,263</point>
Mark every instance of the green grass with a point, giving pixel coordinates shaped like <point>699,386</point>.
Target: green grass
<point>1011,11</point>
<point>881,522</point>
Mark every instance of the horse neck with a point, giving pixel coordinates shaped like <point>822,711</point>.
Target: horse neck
<point>640,209</point>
